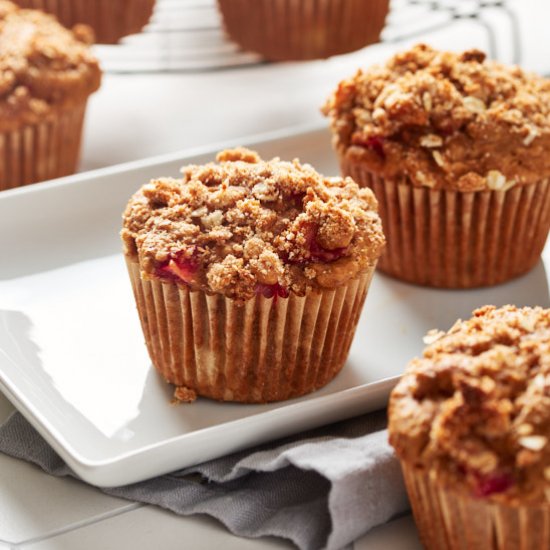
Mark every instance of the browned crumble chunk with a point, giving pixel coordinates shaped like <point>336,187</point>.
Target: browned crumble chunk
<point>184,395</point>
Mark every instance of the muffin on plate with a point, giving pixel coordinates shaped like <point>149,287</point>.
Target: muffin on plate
<point>470,422</point>
<point>455,148</point>
<point>250,275</point>
<point>295,30</point>
<point>110,19</point>
<point>47,75</point>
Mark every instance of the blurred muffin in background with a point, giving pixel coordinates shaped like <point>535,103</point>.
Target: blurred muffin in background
<point>455,147</point>
<point>110,19</point>
<point>47,73</point>
<point>280,30</point>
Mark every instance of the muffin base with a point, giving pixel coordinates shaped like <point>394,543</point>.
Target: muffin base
<point>452,239</point>
<point>261,351</point>
<point>110,19</point>
<point>281,30</point>
<point>42,151</point>
<point>448,520</point>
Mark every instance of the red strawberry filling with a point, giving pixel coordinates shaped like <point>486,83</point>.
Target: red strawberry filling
<point>374,143</point>
<point>317,254</point>
<point>320,254</point>
<point>184,269</point>
<point>495,483</point>
<point>272,291</point>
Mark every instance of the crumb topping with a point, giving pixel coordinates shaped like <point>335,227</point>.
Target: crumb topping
<point>475,408</point>
<point>445,121</point>
<point>243,226</point>
<point>43,66</point>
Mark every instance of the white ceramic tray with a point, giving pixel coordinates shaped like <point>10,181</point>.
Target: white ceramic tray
<point>72,357</point>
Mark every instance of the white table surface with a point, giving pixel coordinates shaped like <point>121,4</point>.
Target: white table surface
<point>136,116</point>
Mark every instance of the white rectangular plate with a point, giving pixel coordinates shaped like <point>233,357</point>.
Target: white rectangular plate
<point>72,357</point>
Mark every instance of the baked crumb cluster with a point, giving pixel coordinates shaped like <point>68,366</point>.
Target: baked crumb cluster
<point>476,407</point>
<point>244,226</point>
<point>42,65</point>
<point>445,121</point>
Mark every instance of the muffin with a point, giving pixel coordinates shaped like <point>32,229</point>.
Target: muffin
<point>281,30</point>
<point>110,19</point>
<point>249,276</point>
<point>47,75</point>
<point>455,149</point>
<point>470,422</point>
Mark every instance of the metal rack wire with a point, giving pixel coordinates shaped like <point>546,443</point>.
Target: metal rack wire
<point>186,36</point>
<point>437,15</point>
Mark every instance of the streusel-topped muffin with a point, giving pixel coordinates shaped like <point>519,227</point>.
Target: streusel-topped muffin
<point>454,146</point>
<point>46,76</point>
<point>470,421</point>
<point>263,267</point>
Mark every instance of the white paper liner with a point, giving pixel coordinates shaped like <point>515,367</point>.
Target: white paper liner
<point>42,151</point>
<point>260,351</point>
<point>452,239</point>
<point>448,520</point>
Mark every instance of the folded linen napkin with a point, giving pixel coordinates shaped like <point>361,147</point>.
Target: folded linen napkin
<point>321,489</point>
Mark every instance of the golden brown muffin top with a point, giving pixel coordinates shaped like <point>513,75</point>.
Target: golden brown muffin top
<point>445,121</point>
<point>475,409</point>
<point>244,226</point>
<point>43,66</point>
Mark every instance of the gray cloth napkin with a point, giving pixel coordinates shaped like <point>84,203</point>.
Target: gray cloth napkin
<point>321,489</point>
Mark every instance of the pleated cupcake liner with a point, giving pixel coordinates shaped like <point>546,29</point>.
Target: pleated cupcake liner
<point>259,351</point>
<point>449,520</point>
<point>453,239</point>
<point>110,19</point>
<point>307,29</point>
<point>42,151</point>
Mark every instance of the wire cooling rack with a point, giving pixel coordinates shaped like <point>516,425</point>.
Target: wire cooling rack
<point>187,35</point>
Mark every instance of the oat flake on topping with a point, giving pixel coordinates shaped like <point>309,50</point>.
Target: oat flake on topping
<point>43,66</point>
<point>475,409</point>
<point>243,225</point>
<point>445,120</point>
